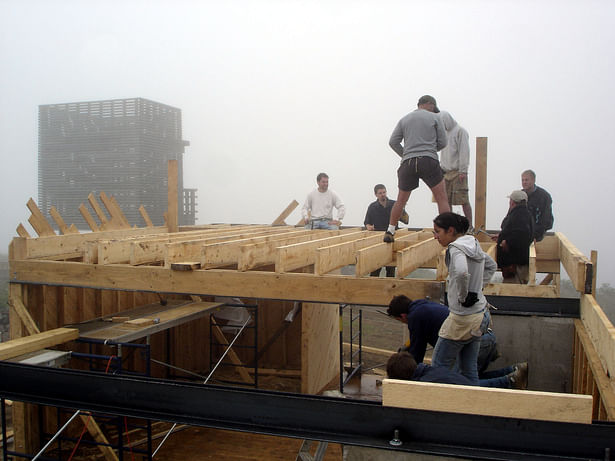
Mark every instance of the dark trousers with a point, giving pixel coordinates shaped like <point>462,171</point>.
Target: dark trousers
<point>390,270</point>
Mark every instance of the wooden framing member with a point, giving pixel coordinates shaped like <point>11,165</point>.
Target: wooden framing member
<point>279,221</point>
<point>102,217</point>
<point>413,257</point>
<point>487,401</point>
<point>64,229</point>
<point>97,434</point>
<point>145,216</point>
<point>589,376</point>
<point>382,254</point>
<point>532,265</point>
<point>172,201</point>
<point>298,255</point>
<point>38,221</point>
<point>601,331</point>
<point>480,194</point>
<point>241,369</point>
<point>251,284</point>
<point>16,303</point>
<point>577,266</point>
<point>88,218</point>
<point>522,291</point>
<point>24,345</point>
<point>547,255</point>
<point>339,255</point>
<point>22,232</point>
<point>118,220</point>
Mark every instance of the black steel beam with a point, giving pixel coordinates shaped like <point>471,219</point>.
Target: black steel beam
<point>546,307</point>
<point>329,419</point>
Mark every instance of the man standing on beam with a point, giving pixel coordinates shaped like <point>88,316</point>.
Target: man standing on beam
<point>423,134</point>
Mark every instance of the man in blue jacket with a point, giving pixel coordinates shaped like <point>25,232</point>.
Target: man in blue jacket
<point>402,365</point>
<point>424,319</point>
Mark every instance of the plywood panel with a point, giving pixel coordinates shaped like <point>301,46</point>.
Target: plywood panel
<point>320,356</point>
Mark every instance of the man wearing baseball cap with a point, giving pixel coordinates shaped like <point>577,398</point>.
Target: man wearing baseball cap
<point>423,135</point>
<point>513,249</point>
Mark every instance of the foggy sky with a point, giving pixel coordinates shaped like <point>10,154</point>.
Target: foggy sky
<point>273,92</point>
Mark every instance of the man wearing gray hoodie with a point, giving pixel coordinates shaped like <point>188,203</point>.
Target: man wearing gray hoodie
<point>454,160</point>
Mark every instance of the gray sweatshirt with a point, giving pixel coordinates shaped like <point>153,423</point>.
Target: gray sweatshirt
<point>423,135</point>
<point>456,155</point>
<point>469,269</point>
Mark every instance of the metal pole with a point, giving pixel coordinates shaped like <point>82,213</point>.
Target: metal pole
<point>56,435</point>
<point>206,379</point>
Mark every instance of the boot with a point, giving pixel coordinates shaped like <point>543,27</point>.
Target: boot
<point>518,378</point>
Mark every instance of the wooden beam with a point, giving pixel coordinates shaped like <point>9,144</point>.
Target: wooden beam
<point>232,355</point>
<point>279,221</point>
<point>88,218</point>
<point>480,202</point>
<point>601,331</point>
<point>487,401</point>
<point>172,198</point>
<point>252,284</point>
<point>32,343</point>
<point>416,255</point>
<point>532,265</point>
<point>16,303</point>
<point>118,220</point>
<point>38,221</point>
<point>523,291</point>
<point>369,259</point>
<point>102,217</point>
<point>339,255</point>
<point>58,220</point>
<point>605,397</point>
<point>22,232</point>
<point>594,260</point>
<point>145,216</point>
<point>577,266</point>
<point>295,256</point>
<point>119,212</point>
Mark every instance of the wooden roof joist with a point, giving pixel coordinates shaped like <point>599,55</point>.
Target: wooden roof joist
<point>252,284</point>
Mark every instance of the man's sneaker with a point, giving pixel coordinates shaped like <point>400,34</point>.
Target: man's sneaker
<point>388,237</point>
<point>518,378</point>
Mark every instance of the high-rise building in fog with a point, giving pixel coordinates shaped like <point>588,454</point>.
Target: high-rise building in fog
<point>119,146</point>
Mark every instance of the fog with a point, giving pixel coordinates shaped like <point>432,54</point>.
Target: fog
<point>274,92</point>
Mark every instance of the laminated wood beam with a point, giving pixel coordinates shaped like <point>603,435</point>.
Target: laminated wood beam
<point>605,397</point>
<point>32,343</point>
<point>172,198</point>
<point>577,266</point>
<point>532,265</point>
<point>145,216</point>
<point>480,194</point>
<point>295,256</point>
<point>487,401</point>
<point>38,221</point>
<point>232,355</point>
<point>511,289</point>
<point>373,257</point>
<point>335,256</point>
<point>259,254</point>
<point>88,218</point>
<point>413,257</point>
<point>16,303</point>
<point>601,331</point>
<point>22,232</point>
<point>279,221</point>
<point>102,217</point>
<point>252,284</point>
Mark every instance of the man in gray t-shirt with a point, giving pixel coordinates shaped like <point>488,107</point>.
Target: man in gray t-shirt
<point>423,135</point>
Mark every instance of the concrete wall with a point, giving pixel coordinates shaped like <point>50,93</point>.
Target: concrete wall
<point>544,342</point>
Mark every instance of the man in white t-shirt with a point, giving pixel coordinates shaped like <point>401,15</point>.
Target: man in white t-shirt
<point>317,210</point>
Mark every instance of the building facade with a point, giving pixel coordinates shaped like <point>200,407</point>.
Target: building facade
<point>120,147</point>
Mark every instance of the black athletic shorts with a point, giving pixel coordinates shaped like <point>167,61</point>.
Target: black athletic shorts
<point>426,168</point>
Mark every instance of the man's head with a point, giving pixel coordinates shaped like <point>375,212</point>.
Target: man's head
<point>323,182</point>
<point>528,180</point>
<point>380,192</point>
<point>401,365</point>
<point>517,197</point>
<point>428,102</point>
<point>398,307</point>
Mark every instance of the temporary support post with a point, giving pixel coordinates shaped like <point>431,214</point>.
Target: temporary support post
<point>480,203</point>
<point>172,196</point>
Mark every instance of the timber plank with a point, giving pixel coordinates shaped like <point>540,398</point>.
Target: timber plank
<point>577,265</point>
<point>371,258</point>
<point>38,222</point>
<point>279,221</point>
<point>59,220</point>
<point>102,217</point>
<point>89,219</point>
<point>601,331</point>
<point>339,255</point>
<point>22,232</point>
<point>532,265</point>
<point>413,257</point>
<point>252,284</point>
<point>487,401</point>
<point>145,216</point>
<point>526,291</point>
<point>172,195</point>
<point>32,343</point>
<point>16,302</point>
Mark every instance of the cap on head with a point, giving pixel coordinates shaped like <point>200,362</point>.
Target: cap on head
<point>427,99</point>
<point>518,196</point>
